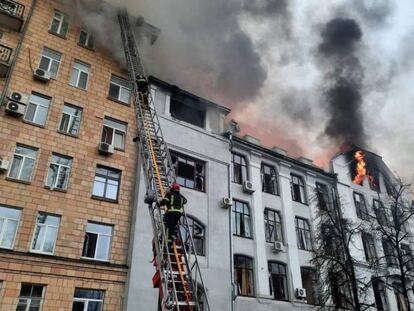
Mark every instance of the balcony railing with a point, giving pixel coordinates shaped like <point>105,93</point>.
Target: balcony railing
<point>5,54</point>
<point>12,7</point>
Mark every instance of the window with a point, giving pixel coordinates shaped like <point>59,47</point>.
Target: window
<point>278,281</point>
<point>50,61</point>
<point>360,206</point>
<point>380,294</point>
<point>239,167</point>
<point>322,196</point>
<point>160,99</point>
<point>59,171</point>
<point>31,298</point>
<point>269,179</point>
<point>188,110</point>
<point>86,39</point>
<point>45,234</point>
<point>380,213</point>
<point>23,163</point>
<point>106,183</point>
<point>309,283</point>
<point>303,234</point>
<point>9,221</point>
<point>87,300</point>
<point>80,75</point>
<point>190,172</point>
<point>197,232</point>
<point>298,189</point>
<point>119,89</point>
<point>340,289</point>
<point>369,247</point>
<point>389,253</point>
<point>241,219</point>
<point>37,110</point>
<point>243,275</point>
<point>97,241</point>
<point>407,256</point>
<point>273,225</point>
<point>71,118</point>
<point>402,303</point>
<point>114,133</point>
<point>59,24</point>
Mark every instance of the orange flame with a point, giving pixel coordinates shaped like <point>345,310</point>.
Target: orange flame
<point>361,169</point>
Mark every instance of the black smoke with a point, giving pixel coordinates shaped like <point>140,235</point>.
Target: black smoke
<point>343,80</point>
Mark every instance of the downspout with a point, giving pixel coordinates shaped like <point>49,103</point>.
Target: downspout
<point>17,52</point>
<point>233,294</point>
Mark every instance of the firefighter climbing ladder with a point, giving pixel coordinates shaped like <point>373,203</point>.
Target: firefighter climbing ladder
<point>178,274</point>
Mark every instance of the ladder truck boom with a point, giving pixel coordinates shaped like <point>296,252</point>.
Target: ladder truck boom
<point>178,275</point>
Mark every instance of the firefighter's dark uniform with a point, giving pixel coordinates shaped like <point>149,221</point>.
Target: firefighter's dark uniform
<point>174,202</point>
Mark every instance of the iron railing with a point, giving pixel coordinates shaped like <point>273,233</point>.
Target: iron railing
<point>12,7</point>
<point>5,54</point>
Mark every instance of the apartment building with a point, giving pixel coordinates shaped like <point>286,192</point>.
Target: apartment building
<point>67,164</point>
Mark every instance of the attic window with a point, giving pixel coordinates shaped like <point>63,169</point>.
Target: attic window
<point>185,112</point>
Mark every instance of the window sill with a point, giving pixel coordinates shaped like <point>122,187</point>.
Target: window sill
<point>33,123</point>
<point>18,181</point>
<point>243,237</point>
<point>86,47</point>
<point>303,203</point>
<point>118,101</point>
<point>79,88</point>
<point>56,189</point>
<point>274,194</point>
<point>104,199</point>
<point>68,134</point>
<point>41,253</point>
<point>89,259</point>
<point>57,34</point>
<point>245,296</point>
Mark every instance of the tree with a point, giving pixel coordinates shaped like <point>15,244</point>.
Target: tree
<point>342,286</point>
<point>394,217</point>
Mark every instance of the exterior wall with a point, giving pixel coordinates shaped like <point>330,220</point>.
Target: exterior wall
<point>212,149</point>
<point>65,270</point>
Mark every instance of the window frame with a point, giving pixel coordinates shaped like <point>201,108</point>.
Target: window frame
<point>51,60</point>
<point>380,293</point>
<point>247,260</point>
<point>87,40</point>
<point>121,87</point>
<point>60,166</point>
<point>242,216</point>
<point>301,187</point>
<point>192,223</point>
<point>32,249</point>
<point>358,206</point>
<point>28,299</point>
<point>370,250</point>
<point>311,273</point>
<point>390,258</point>
<point>275,223</point>
<point>71,117</point>
<point>273,178</point>
<point>301,231</point>
<point>23,157</point>
<point>31,102</point>
<point>187,159</point>
<point>97,241</point>
<point>322,192</point>
<point>114,131</point>
<point>5,222</point>
<point>106,177</point>
<point>62,19</point>
<point>243,167</point>
<point>87,300</point>
<point>283,276</point>
<point>79,71</point>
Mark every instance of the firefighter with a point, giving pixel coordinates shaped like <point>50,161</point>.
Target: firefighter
<point>174,202</point>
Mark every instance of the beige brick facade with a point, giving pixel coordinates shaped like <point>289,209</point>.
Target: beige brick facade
<point>64,271</point>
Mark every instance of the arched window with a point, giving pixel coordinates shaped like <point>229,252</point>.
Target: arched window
<point>269,179</point>
<point>243,275</point>
<point>197,231</point>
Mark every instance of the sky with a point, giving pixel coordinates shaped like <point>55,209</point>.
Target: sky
<point>305,75</point>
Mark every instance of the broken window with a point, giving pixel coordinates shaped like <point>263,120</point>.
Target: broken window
<point>298,189</point>
<point>323,197</point>
<point>187,112</point>
<point>273,226</point>
<point>309,283</point>
<point>97,244</point>
<point>269,179</point>
<point>243,275</point>
<point>189,172</point>
<point>278,281</point>
<point>59,171</point>
<point>368,243</point>
<point>380,213</point>
<point>303,234</point>
<point>119,89</point>
<point>241,219</point>
<point>114,133</point>
<point>197,232</point>
<point>86,39</point>
<point>239,168</point>
<point>360,206</point>
<point>31,297</point>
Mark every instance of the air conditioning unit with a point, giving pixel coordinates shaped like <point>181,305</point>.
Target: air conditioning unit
<point>41,75</point>
<point>15,109</point>
<point>278,247</point>
<point>226,203</point>
<point>19,98</point>
<point>301,293</point>
<point>248,186</point>
<point>105,148</point>
<point>4,165</point>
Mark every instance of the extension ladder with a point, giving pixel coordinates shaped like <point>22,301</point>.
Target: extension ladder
<point>178,275</point>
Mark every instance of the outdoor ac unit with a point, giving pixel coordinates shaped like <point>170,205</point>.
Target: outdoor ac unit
<point>41,75</point>
<point>19,98</point>
<point>278,247</point>
<point>15,109</point>
<point>226,202</point>
<point>248,186</point>
<point>105,148</point>
<point>4,165</point>
<point>301,293</point>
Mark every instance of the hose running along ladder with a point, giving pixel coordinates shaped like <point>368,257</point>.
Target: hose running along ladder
<point>178,275</point>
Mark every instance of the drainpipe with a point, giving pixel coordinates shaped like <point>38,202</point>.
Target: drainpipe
<point>16,53</point>
<point>233,294</point>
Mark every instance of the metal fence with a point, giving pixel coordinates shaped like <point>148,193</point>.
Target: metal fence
<point>12,7</point>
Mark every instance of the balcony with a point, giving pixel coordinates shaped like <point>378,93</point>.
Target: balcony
<point>11,14</point>
<point>5,56</point>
